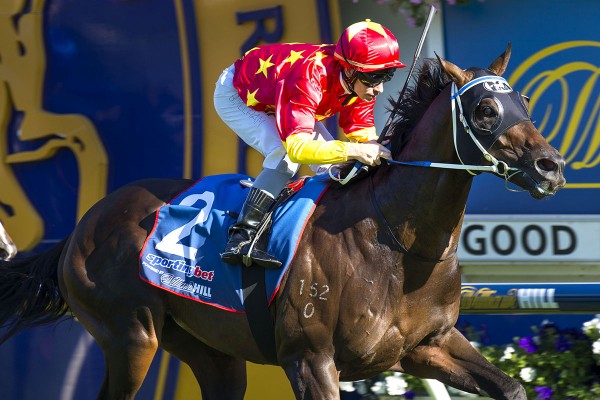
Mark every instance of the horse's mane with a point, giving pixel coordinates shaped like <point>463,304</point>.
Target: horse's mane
<point>430,81</point>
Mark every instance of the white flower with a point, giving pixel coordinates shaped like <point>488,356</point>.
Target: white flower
<point>528,374</point>
<point>347,387</point>
<point>378,388</point>
<point>395,384</point>
<point>596,347</point>
<point>508,353</point>
<point>593,325</point>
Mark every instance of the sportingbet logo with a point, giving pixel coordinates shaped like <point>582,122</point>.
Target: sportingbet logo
<point>180,266</point>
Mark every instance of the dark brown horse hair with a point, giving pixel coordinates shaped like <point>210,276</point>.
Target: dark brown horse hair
<point>430,81</point>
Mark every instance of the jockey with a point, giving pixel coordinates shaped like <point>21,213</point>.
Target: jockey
<point>275,97</point>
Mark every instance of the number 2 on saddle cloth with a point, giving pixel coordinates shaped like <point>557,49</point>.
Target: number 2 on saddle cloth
<point>181,254</point>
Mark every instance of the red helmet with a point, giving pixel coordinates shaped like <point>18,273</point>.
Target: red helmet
<point>368,46</point>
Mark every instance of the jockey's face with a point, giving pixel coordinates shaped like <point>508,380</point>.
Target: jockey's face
<point>369,84</point>
<point>367,93</point>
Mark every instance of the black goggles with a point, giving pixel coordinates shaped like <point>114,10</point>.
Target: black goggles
<point>372,79</point>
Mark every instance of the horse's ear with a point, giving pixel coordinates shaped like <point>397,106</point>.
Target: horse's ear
<point>458,75</point>
<point>499,65</point>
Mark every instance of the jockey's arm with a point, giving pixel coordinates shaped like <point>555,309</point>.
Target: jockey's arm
<point>296,115</point>
<point>302,149</point>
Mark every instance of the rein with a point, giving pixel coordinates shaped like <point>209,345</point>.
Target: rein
<point>389,230</point>
<point>498,167</point>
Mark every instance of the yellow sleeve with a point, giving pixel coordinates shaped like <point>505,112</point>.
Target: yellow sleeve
<point>362,135</point>
<point>302,149</point>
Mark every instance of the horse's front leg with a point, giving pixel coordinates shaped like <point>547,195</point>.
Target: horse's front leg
<point>313,376</point>
<point>451,359</point>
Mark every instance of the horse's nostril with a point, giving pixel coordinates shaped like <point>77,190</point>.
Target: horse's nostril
<point>545,164</point>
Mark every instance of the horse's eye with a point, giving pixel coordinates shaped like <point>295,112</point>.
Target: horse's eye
<point>489,111</point>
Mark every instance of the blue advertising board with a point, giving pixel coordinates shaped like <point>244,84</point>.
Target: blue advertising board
<point>555,60</point>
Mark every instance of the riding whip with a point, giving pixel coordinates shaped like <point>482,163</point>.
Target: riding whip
<point>388,123</point>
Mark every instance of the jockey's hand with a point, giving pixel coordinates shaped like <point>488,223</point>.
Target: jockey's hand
<point>369,153</point>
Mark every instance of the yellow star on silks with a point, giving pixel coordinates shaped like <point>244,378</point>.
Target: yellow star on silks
<point>318,57</point>
<point>294,56</point>
<point>264,65</point>
<point>368,24</point>
<point>251,98</point>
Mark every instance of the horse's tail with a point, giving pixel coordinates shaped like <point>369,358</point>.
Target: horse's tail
<point>29,292</point>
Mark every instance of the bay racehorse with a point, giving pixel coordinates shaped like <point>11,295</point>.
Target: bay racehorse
<point>377,261</point>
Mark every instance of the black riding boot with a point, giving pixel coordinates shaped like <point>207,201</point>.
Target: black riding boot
<point>241,234</point>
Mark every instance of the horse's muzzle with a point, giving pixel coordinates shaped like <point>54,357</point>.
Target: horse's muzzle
<point>545,178</point>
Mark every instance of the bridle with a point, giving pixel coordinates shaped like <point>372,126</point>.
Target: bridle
<point>515,112</point>
<point>498,167</point>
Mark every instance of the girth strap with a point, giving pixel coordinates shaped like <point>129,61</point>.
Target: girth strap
<point>259,317</point>
<point>254,288</point>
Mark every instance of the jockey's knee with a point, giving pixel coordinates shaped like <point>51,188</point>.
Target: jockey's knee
<point>272,181</point>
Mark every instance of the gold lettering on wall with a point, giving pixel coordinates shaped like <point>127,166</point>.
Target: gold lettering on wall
<point>22,70</point>
<point>569,90</point>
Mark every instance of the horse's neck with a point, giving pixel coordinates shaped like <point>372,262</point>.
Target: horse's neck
<point>425,206</point>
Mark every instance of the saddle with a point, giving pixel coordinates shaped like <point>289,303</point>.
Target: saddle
<point>263,231</point>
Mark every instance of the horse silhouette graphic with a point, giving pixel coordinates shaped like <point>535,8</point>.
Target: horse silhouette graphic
<point>22,70</point>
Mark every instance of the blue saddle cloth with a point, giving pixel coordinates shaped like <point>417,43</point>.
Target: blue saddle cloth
<point>181,254</point>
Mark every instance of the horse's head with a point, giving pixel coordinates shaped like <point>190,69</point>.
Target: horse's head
<point>496,129</point>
